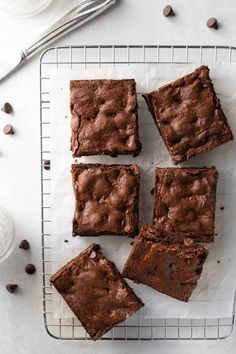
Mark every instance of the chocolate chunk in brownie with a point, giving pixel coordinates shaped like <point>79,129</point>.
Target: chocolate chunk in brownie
<point>95,291</point>
<point>170,267</point>
<point>104,117</point>
<point>184,202</point>
<point>106,199</point>
<point>189,116</point>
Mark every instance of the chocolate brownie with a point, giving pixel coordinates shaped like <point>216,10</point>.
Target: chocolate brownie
<point>104,117</point>
<point>189,116</point>
<point>95,291</point>
<point>106,199</point>
<point>184,202</point>
<point>172,268</point>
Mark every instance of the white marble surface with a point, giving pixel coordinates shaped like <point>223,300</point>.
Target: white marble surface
<point>132,22</point>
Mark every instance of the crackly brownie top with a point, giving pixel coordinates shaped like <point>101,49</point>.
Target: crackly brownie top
<point>170,267</point>
<point>95,291</point>
<point>106,199</point>
<point>104,117</point>
<point>184,202</point>
<point>189,115</point>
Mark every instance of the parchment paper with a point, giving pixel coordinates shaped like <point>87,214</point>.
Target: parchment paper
<point>214,294</point>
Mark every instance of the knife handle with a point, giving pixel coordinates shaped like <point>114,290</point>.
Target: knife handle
<point>80,14</point>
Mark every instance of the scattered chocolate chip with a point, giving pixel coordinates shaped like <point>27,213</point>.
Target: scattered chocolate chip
<point>24,245</point>
<point>66,241</point>
<point>11,288</point>
<point>152,191</point>
<point>168,11</point>
<point>30,269</point>
<point>131,243</point>
<point>7,108</point>
<point>93,255</point>
<point>212,23</point>
<point>218,261</point>
<point>8,129</point>
<point>222,208</point>
<point>47,164</point>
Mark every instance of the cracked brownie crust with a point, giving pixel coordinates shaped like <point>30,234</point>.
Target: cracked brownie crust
<point>95,291</point>
<point>189,116</point>
<point>184,202</point>
<point>106,199</point>
<point>104,117</point>
<point>169,267</point>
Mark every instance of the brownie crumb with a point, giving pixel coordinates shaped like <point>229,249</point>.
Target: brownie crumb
<point>216,234</point>
<point>131,243</point>
<point>218,261</point>
<point>152,191</point>
<point>66,241</point>
<point>222,208</point>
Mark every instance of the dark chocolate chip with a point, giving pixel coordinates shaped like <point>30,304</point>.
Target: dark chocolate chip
<point>212,23</point>
<point>24,245</point>
<point>222,208</point>
<point>7,108</point>
<point>152,191</point>
<point>11,288</point>
<point>218,261</point>
<point>8,129</point>
<point>168,11</point>
<point>47,164</point>
<point>30,269</point>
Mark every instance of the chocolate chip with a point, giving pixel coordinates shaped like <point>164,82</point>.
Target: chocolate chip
<point>152,191</point>
<point>30,269</point>
<point>47,164</point>
<point>168,11</point>
<point>24,245</point>
<point>11,288</point>
<point>222,208</point>
<point>7,108</point>
<point>8,129</point>
<point>218,261</point>
<point>212,23</point>
<point>66,241</point>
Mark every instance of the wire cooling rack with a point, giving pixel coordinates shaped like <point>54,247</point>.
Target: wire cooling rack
<point>69,57</point>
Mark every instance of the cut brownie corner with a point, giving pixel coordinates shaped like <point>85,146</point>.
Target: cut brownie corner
<point>168,266</point>
<point>99,307</point>
<point>189,126</point>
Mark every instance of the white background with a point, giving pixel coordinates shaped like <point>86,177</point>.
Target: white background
<point>131,22</point>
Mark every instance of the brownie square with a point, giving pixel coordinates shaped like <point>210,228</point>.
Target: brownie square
<point>184,202</point>
<point>189,116</point>
<point>104,117</point>
<point>95,291</point>
<point>106,199</point>
<point>172,268</point>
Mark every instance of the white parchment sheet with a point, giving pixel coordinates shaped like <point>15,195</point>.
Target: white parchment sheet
<point>214,294</point>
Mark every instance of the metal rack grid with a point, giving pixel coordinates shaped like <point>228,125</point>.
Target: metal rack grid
<point>68,57</point>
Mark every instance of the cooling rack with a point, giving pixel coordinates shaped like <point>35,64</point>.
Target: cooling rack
<point>68,57</point>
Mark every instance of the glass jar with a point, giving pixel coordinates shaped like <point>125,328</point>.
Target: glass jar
<point>24,8</point>
<point>6,234</point>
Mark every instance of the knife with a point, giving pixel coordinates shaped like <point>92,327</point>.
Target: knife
<point>83,12</point>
